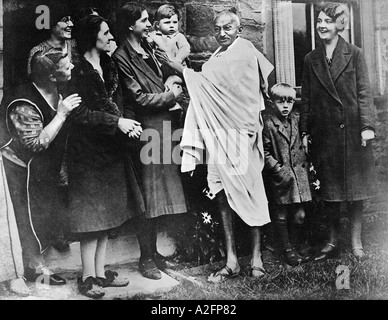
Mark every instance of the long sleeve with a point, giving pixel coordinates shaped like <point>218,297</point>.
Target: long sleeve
<point>270,161</point>
<point>364,96</point>
<point>99,121</point>
<point>28,126</point>
<point>134,94</point>
<point>183,47</point>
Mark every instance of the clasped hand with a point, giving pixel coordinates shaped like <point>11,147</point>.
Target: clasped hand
<point>130,127</point>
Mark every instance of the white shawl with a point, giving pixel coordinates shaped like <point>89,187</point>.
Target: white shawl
<point>224,116</point>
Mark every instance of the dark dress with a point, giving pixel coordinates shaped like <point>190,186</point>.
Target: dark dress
<point>33,174</point>
<point>103,187</point>
<point>144,96</point>
<point>337,106</point>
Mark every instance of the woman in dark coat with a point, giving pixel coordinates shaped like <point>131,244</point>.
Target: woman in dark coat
<point>33,134</point>
<point>338,115</point>
<point>145,96</point>
<point>103,190</point>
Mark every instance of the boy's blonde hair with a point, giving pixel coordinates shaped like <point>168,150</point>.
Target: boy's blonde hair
<point>282,91</point>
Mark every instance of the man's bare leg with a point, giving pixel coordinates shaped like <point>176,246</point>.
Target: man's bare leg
<point>228,226</point>
<point>256,261</point>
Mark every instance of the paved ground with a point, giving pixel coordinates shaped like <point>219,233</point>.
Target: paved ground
<point>122,255</point>
<point>138,285</point>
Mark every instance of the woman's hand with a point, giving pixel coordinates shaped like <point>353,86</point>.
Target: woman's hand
<point>163,58</point>
<point>171,80</point>
<point>177,90</point>
<point>305,143</point>
<point>67,105</point>
<point>366,135</point>
<point>130,127</point>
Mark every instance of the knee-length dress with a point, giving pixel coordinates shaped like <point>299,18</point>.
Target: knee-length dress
<point>144,96</point>
<point>103,187</point>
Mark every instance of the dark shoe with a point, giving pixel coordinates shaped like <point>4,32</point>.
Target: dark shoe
<point>52,279</point>
<point>90,288</point>
<point>111,280</point>
<point>359,254</point>
<point>61,244</point>
<point>149,270</point>
<point>324,255</point>
<point>163,263</point>
<point>305,251</point>
<point>292,257</point>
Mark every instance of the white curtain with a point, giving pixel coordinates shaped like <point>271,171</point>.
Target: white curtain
<point>284,42</point>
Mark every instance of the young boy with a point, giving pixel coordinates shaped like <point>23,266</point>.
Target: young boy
<point>286,171</point>
<point>166,35</point>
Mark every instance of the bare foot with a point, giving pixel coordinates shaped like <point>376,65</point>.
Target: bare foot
<point>223,274</point>
<point>19,287</point>
<point>257,269</point>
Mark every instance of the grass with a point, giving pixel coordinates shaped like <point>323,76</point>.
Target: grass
<point>313,281</point>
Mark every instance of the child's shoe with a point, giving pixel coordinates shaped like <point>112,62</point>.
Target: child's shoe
<point>292,257</point>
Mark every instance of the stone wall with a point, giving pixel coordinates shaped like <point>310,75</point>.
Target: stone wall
<point>380,74</point>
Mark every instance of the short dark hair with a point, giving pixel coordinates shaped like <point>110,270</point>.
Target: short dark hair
<point>84,12</point>
<point>86,31</point>
<point>126,17</point>
<point>58,12</point>
<point>45,64</point>
<point>166,11</point>
<point>282,91</point>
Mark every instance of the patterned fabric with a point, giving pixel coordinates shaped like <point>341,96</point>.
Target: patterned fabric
<point>29,127</point>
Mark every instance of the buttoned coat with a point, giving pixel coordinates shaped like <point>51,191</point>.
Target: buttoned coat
<point>290,184</point>
<point>337,107</point>
<point>144,98</point>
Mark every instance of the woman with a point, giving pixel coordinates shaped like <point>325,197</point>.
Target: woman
<point>103,191</point>
<point>226,100</point>
<point>338,115</point>
<point>35,118</point>
<point>145,96</point>
<point>60,35</point>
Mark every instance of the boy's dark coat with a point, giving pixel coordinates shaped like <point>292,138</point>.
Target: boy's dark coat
<point>290,184</point>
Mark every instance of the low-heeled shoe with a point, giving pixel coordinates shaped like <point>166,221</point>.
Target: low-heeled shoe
<point>149,270</point>
<point>163,263</point>
<point>53,279</point>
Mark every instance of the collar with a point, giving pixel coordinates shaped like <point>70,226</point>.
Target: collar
<point>159,33</point>
<point>45,97</point>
